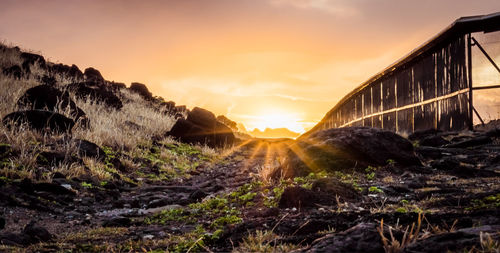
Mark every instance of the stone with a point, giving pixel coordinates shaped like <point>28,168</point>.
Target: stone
<point>37,233</point>
<point>14,71</point>
<point>349,148</point>
<point>202,127</point>
<point>334,187</point>
<point>47,97</point>
<point>89,149</point>
<point>142,90</point>
<point>299,197</point>
<point>231,124</point>
<point>40,120</point>
<point>30,59</point>
<point>363,237</point>
<point>93,75</point>
<point>97,92</point>
<point>118,221</point>
<point>453,241</point>
<point>433,141</point>
<point>2,223</point>
<point>72,71</point>
<point>475,141</point>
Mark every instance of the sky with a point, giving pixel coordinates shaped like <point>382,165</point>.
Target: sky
<point>263,63</point>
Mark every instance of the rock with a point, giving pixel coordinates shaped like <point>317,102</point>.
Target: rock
<point>89,149</point>
<point>346,149</point>
<point>231,124</point>
<point>334,187</point>
<point>117,86</point>
<point>51,158</point>
<point>37,233</point>
<point>117,222</point>
<point>421,134</point>
<point>41,120</point>
<point>453,242</point>
<point>30,59</point>
<point>197,195</point>
<point>142,90</point>
<point>360,238</point>
<point>14,71</point>
<point>93,75</point>
<point>46,97</point>
<point>202,127</point>
<point>97,92</point>
<point>169,106</point>
<point>72,71</point>
<point>475,141</point>
<point>433,141</point>
<point>53,188</point>
<point>2,223</point>
<point>302,198</point>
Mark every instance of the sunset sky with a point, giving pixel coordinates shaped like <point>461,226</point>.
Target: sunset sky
<point>264,63</point>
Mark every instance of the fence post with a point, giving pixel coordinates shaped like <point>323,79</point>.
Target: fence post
<point>469,70</point>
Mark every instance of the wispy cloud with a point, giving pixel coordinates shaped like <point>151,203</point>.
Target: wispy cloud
<point>334,7</point>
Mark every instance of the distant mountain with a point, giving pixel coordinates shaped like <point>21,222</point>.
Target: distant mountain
<point>274,133</point>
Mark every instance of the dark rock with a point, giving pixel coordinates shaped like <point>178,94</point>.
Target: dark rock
<point>346,149</point>
<point>41,120</point>
<point>37,233</point>
<point>44,96</point>
<point>433,141</point>
<point>51,158</point>
<point>475,141</point>
<point>2,223</point>
<point>421,134</point>
<point>97,92</point>
<point>117,86</point>
<point>49,80</point>
<point>202,127</point>
<point>14,71</point>
<point>117,222</point>
<point>30,59</point>
<point>169,106</point>
<point>142,90</point>
<point>334,187</point>
<point>360,238</point>
<point>197,195</point>
<point>453,242</point>
<point>89,149</point>
<point>231,124</point>
<point>302,198</point>
<point>15,239</point>
<point>93,75</point>
<point>429,152</point>
<point>53,188</point>
<point>72,71</point>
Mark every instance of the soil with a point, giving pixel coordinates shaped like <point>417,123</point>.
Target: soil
<point>455,188</point>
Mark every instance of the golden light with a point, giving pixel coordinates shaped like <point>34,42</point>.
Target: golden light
<point>278,120</point>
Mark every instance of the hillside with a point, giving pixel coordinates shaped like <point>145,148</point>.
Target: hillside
<point>89,165</point>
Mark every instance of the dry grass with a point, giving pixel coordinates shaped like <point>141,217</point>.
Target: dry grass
<point>263,241</point>
<point>109,127</point>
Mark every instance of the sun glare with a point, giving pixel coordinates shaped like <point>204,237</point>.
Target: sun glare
<point>279,120</point>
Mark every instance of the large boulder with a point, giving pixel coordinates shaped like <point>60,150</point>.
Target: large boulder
<point>142,90</point>
<point>41,120</point>
<point>97,92</point>
<point>46,97</point>
<point>346,149</point>
<point>202,127</point>
<point>93,75</point>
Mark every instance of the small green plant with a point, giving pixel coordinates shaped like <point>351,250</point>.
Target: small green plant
<point>488,202</point>
<point>86,185</point>
<point>390,161</point>
<point>401,210</point>
<point>370,176</point>
<point>104,183</point>
<point>375,189</point>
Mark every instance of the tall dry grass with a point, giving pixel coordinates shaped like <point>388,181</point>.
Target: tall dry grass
<point>136,123</point>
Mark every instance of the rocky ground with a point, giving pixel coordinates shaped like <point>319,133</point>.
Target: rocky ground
<point>449,202</point>
<point>89,165</point>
